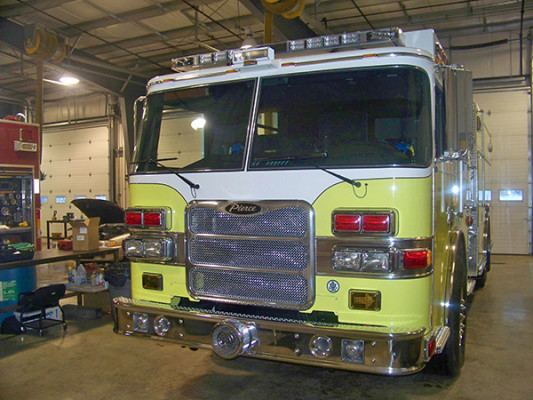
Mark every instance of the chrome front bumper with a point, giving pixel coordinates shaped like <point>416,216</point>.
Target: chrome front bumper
<point>342,346</point>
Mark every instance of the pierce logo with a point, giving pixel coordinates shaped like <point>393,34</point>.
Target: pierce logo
<point>242,208</point>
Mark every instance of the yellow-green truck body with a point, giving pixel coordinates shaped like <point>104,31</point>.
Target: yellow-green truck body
<point>316,204</point>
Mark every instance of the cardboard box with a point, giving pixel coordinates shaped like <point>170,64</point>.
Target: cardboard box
<point>99,300</point>
<point>50,313</point>
<point>65,244</point>
<point>85,234</point>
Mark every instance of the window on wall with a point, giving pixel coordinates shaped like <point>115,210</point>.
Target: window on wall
<point>511,195</point>
<point>488,195</point>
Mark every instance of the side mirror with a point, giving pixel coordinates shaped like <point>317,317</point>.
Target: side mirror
<point>459,107</point>
<point>138,108</point>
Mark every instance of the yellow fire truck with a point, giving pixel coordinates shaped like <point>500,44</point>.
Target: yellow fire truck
<point>319,202</point>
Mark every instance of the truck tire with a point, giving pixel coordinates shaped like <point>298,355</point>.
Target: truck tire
<point>451,360</point>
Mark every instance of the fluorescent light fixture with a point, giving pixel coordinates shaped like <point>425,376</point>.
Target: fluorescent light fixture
<point>64,81</point>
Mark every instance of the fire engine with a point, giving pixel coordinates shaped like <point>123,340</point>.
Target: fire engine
<point>319,202</point>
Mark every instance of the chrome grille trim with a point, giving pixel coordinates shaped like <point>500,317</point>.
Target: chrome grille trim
<point>263,258</point>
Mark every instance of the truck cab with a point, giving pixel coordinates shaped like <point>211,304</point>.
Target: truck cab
<point>309,202</point>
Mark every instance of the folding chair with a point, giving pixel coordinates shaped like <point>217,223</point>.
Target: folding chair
<point>40,300</point>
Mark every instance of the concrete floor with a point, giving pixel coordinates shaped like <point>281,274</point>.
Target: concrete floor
<point>89,361</point>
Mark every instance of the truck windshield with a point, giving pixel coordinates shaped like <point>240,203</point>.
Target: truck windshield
<point>355,118</point>
<point>195,128</point>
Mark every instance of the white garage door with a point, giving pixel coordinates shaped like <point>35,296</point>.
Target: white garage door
<point>75,160</point>
<point>508,119</point>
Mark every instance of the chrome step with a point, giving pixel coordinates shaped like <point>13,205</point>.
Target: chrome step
<point>441,338</point>
<point>471,286</point>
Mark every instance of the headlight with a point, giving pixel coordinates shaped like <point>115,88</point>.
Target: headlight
<point>141,322</point>
<point>346,260</point>
<point>134,248</point>
<point>353,350</point>
<point>152,248</point>
<point>375,262</point>
<point>352,260</point>
<point>161,249</point>
<point>161,325</point>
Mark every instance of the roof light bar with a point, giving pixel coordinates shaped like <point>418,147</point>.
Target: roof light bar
<point>265,55</point>
<point>237,58</point>
<point>260,55</point>
<point>361,38</point>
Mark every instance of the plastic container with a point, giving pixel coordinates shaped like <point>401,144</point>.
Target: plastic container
<point>12,282</point>
<point>79,275</point>
<point>70,274</point>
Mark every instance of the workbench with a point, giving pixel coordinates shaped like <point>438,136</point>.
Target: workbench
<point>48,256</point>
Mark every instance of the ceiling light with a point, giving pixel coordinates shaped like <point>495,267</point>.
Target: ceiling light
<point>198,123</point>
<point>69,80</point>
<point>249,40</point>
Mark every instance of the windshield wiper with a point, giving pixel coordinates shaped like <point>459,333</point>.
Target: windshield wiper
<point>304,159</point>
<point>158,163</point>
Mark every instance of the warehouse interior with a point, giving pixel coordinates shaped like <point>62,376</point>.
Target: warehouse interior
<point>87,141</point>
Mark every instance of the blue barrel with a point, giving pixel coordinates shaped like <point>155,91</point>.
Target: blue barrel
<point>12,282</point>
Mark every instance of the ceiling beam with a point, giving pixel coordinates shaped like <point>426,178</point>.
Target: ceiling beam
<point>429,17</point>
<point>56,19</point>
<point>174,34</point>
<point>362,14</point>
<point>80,64</point>
<point>14,70</point>
<point>21,8</point>
<point>129,16</point>
<point>481,28</point>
